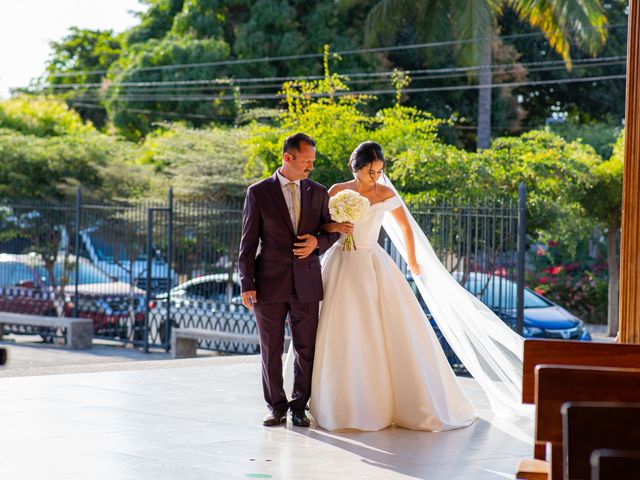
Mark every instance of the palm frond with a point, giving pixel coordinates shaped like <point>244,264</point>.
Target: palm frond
<point>564,20</point>
<point>382,20</point>
<point>473,20</point>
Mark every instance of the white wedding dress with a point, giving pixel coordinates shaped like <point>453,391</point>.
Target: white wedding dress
<point>378,362</point>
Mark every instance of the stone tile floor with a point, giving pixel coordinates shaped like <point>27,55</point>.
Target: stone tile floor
<point>201,419</point>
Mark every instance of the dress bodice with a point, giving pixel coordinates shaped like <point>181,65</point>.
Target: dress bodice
<point>366,231</point>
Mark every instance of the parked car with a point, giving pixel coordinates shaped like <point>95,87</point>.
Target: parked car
<point>27,287</point>
<point>119,259</point>
<point>542,317</point>
<point>201,300</point>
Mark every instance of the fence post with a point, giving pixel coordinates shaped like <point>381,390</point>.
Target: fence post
<point>167,323</point>
<point>77,252</point>
<point>522,244</point>
<point>148,292</point>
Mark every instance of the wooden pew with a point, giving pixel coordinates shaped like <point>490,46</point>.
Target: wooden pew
<point>608,464</point>
<point>588,426</point>
<point>566,352</point>
<point>571,352</point>
<point>556,385</point>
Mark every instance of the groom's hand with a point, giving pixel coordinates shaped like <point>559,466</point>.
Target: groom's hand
<point>305,246</point>
<point>249,298</point>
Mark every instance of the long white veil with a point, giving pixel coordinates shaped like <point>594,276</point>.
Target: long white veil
<point>488,348</point>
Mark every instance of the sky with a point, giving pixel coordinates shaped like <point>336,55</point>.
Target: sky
<point>27,27</point>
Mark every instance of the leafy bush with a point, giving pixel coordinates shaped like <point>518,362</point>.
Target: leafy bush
<point>41,116</point>
<point>204,163</point>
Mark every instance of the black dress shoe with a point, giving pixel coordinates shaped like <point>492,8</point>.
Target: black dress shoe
<point>274,419</point>
<point>299,419</point>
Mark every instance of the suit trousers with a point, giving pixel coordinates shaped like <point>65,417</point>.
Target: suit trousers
<point>303,323</point>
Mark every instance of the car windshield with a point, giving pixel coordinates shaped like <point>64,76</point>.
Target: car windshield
<point>110,251</point>
<point>14,273</point>
<point>88,274</point>
<point>500,293</point>
<point>496,293</point>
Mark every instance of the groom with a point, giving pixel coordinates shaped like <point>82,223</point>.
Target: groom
<point>280,271</point>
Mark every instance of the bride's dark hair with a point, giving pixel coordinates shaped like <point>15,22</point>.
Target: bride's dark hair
<point>365,154</point>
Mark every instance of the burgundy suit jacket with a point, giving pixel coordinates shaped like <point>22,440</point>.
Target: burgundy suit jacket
<point>275,273</point>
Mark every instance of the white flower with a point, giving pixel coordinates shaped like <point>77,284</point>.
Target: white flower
<point>348,206</point>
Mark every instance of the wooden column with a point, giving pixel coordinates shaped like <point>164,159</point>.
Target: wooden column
<point>630,238</point>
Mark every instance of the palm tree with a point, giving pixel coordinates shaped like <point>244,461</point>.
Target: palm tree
<point>561,21</point>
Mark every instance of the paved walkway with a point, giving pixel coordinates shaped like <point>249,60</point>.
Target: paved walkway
<point>201,419</point>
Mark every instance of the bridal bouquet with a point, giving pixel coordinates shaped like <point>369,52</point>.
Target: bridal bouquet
<point>348,206</point>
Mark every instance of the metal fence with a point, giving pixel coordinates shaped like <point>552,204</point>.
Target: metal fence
<point>139,270</point>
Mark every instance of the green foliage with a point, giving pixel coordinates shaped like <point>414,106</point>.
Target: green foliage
<point>130,109</point>
<point>603,199</point>
<point>155,22</point>
<point>46,150</point>
<point>33,167</point>
<point>82,57</point>
<point>41,116</point>
<point>206,164</point>
<point>339,123</point>
<point>553,170</point>
<point>180,32</point>
<point>583,102</point>
<point>601,136</point>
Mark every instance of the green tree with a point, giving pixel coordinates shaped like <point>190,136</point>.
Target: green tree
<point>142,91</point>
<point>77,66</point>
<point>599,104</point>
<point>200,164</point>
<point>602,201</point>
<point>436,19</point>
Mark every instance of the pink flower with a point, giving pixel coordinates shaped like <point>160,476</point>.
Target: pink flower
<point>555,270</point>
<point>540,251</point>
<point>543,279</point>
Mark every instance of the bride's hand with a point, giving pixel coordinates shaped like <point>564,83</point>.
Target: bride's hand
<point>415,269</point>
<point>344,227</point>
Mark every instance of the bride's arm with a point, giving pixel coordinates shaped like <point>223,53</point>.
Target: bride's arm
<point>400,217</point>
<point>344,227</point>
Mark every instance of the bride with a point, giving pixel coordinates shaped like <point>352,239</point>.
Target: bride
<point>378,362</point>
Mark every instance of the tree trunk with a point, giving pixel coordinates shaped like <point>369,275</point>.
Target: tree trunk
<point>484,97</point>
<point>613,310</point>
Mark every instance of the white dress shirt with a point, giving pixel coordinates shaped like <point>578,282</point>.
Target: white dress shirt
<point>288,196</point>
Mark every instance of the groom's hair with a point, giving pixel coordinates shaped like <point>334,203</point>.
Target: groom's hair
<point>292,142</point>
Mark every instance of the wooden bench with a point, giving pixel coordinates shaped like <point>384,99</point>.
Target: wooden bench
<point>610,464</point>
<point>556,385</point>
<point>79,330</point>
<point>573,352</point>
<point>570,352</point>
<point>588,426</point>
<point>184,341</point>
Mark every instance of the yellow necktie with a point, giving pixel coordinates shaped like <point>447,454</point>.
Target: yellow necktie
<point>296,202</point>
